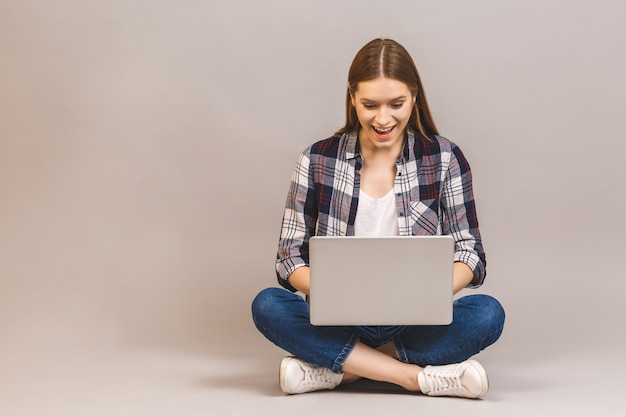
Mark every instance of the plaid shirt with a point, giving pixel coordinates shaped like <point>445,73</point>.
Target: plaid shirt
<point>433,189</point>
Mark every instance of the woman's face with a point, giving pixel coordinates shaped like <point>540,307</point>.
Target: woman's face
<point>383,107</point>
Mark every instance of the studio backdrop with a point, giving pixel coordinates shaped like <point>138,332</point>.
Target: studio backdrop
<point>146,148</point>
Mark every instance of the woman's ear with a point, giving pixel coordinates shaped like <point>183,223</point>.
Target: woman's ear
<point>352,100</point>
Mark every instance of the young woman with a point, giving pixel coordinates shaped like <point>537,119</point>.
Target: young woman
<point>386,172</point>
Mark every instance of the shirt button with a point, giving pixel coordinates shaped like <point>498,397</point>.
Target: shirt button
<point>402,214</point>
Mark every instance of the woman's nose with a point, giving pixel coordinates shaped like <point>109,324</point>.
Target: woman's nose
<point>382,117</point>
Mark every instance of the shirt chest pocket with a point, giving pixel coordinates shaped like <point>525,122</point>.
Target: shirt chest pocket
<point>425,217</point>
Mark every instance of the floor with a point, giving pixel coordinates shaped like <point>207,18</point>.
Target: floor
<point>148,382</point>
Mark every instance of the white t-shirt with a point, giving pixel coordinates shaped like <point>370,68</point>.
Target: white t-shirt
<point>376,216</point>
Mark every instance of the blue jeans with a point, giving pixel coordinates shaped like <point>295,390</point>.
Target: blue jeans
<point>283,318</point>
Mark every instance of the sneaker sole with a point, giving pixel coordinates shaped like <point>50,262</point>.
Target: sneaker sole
<point>281,372</point>
<point>483,377</point>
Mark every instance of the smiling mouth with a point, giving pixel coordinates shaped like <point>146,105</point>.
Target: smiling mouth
<point>383,131</point>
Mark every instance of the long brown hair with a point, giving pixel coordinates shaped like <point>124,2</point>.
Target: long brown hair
<point>387,58</point>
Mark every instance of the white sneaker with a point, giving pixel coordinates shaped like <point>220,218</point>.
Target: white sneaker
<point>466,379</point>
<point>297,376</point>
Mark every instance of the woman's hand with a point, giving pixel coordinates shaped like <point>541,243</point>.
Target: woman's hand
<point>300,279</point>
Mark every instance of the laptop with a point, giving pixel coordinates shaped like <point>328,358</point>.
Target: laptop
<point>381,281</point>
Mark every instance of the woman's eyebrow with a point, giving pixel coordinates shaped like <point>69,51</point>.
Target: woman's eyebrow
<point>367,100</point>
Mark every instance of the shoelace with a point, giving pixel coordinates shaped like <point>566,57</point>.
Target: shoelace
<point>317,375</point>
<point>445,381</point>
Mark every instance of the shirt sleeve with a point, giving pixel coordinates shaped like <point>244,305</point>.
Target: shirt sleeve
<point>299,222</point>
<point>460,219</point>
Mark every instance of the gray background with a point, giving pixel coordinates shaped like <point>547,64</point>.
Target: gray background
<point>146,148</point>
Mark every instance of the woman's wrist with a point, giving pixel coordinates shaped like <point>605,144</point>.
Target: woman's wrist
<point>300,279</point>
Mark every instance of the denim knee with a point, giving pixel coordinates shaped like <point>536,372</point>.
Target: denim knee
<point>264,304</point>
<point>491,317</point>
<point>494,312</point>
<point>270,303</point>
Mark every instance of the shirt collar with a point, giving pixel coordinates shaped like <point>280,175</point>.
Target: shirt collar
<point>352,145</point>
<point>408,152</point>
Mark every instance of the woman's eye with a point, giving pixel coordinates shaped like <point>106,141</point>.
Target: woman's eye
<point>397,105</point>
<point>369,106</point>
